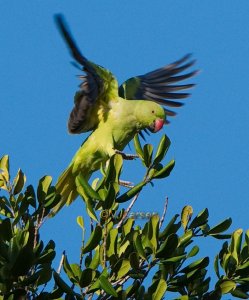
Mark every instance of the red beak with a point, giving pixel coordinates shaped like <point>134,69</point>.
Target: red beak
<point>158,124</point>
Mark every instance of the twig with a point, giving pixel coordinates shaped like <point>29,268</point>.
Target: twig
<point>38,225</point>
<point>133,200</point>
<point>83,244</point>
<point>164,212</point>
<point>126,156</point>
<point>91,226</point>
<point>61,262</point>
<point>126,183</point>
<point>126,212</point>
<point>104,244</point>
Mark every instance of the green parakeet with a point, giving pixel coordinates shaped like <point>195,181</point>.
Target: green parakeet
<point>115,114</point>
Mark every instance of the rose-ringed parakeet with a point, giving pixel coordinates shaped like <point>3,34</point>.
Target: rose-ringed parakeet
<point>115,114</point>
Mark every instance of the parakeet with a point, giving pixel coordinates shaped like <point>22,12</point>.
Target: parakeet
<point>115,114</point>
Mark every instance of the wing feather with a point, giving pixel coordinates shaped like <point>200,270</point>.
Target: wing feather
<point>83,116</point>
<point>161,85</point>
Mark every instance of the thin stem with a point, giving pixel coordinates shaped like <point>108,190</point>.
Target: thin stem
<point>133,200</point>
<point>126,212</point>
<point>39,223</point>
<point>104,244</point>
<point>165,207</point>
<point>61,262</point>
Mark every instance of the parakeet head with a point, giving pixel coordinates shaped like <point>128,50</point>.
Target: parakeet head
<point>151,116</point>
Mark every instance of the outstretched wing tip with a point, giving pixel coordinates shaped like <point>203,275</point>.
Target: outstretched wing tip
<point>59,18</point>
<point>162,85</point>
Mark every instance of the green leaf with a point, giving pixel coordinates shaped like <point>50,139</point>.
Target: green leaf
<point>200,219</point>
<point>134,260</point>
<point>3,182</point>
<point>118,164</point>
<point>227,286</point>
<point>160,289</point>
<point>90,192</point>
<point>113,169</point>
<point>107,287</point>
<point>19,182</point>
<point>88,201</point>
<point>173,259</point>
<point>43,186</point>
<point>138,147</point>
<point>4,208</point>
<point>45,274</point>
<point>236,243</point>
<point>68,270</point>
<point>94,240</point>
<point>46,257</point>
<point>162,149</point>
<point>186,215</point>
<point>80,222</point>
<point>87,277</point>
<point>30,195</point>
<point>199,264</point>
<point>131,193</point>
<point>221,236</point>
<point>127,227</point>
<point>230,263</point>
<point>193,251</point>
<point>221,227</point>
<point>140,292</point>
<point>112,242</point>
<point>90,209</point>
<point>170,228</point>
<point>110,197</point>
<point>243,266</point>
<point>125,244</point>
<point>139,246</point>
<point>132,288</point>
<point>52,198</point>
<point>124,267</point>
<point>216,266</point>
<point>95,260</point>
<point>148,151</point>
<point>62,284</point>
<point>4,166</point>
<point>239,294</point>
<point>76,272</point>
<point>154,224</point>
<point>165,171</point>
<point>185,239</point>
<point>168,247</point>
<point>6,229</point>
<point>247,237</point>
<point>56,294</point>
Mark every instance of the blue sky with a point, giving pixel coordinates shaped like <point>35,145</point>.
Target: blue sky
<point>210,139</point>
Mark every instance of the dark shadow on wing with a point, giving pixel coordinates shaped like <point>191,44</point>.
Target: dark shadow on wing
<point>80,118</point>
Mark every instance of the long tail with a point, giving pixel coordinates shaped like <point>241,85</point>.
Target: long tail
<point>66,187</point>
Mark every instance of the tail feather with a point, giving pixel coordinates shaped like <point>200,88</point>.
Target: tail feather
<point>66,187</point>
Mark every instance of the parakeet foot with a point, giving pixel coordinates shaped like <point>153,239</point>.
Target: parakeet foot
<point>126,156</point>
<point>126,183</point>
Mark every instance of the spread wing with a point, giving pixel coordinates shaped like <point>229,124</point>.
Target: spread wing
<point>161,85</point>
<point>88,101</point>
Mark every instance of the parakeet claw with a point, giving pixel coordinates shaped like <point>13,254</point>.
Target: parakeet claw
<point>126,183</point>
<point>126,156</point>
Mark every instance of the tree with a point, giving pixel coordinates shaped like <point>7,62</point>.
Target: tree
<point>120,260</point>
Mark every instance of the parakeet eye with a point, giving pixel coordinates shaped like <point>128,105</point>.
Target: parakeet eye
<point>153,111</point>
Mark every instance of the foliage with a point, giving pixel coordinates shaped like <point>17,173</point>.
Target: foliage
<point>119,260</point>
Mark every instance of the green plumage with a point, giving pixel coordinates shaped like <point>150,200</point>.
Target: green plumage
<point>107,110</point>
